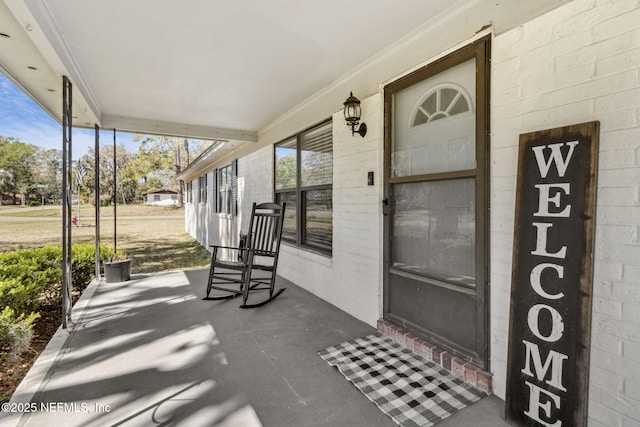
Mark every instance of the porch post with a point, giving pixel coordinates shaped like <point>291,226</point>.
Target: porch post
<point>96,169</point>
<point>66,199</point>
<point>115,194</point>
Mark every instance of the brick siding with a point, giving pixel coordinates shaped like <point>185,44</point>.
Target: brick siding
<point>459,367</point>
<point>578,63</point>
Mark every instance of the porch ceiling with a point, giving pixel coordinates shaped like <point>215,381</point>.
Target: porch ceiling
<point>207,69</point>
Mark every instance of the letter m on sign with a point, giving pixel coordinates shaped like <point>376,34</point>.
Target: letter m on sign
<point>548,363</point>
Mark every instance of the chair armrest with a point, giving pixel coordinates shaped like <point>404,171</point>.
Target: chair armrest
<point>241,253</point>
<point>227,247</point>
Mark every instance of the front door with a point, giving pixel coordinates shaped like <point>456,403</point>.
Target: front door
<point>436,209</point>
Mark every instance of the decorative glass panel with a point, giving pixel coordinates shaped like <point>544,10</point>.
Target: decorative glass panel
<point>435,126</point>
<point>442,101</point>
<point>459,106</point>
<point>420,118</point>
<point>434,229</point>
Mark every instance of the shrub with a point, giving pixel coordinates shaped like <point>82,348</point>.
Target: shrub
<point>83,261</point>
<point>27,277</point>
<point>16,331</point>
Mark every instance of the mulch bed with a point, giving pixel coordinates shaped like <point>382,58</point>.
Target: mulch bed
<point>12,373</point>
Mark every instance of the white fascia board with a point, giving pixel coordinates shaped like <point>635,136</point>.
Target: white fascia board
<point>201,163</point>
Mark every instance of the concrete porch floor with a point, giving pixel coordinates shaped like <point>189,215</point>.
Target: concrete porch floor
<point>150,352</point>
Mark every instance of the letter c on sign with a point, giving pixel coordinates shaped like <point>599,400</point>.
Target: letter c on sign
<point>534,279</point>
<point>557,326</point>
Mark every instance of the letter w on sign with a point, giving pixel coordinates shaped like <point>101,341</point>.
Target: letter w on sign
<point>561,161</point>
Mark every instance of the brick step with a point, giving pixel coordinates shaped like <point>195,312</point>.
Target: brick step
<point>461,368</point>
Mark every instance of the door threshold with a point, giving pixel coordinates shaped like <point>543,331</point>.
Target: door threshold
<point>459,367</point>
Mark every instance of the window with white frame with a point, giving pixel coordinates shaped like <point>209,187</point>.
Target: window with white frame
<point>226,188</point>
<point>304,180</point>
<point>203,188</point>
<point>189,191</point>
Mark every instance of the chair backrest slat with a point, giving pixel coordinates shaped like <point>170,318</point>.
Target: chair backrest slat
<point>261,233</point>
<point>265,229</point>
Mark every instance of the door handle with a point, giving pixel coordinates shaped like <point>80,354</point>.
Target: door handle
<point>385,206</point>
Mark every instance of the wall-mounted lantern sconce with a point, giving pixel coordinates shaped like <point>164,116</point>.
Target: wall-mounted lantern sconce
<point>352,115</point>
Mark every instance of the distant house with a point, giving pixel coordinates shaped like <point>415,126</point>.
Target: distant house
<point>10,199</point>
<point>162,198</point>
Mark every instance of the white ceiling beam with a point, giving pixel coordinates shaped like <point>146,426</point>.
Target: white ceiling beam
<point>156,127</point>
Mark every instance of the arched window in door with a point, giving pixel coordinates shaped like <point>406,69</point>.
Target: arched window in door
<point>442,101</point>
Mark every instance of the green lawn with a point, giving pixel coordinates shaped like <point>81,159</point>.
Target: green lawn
<point>156,244</point>
<point>88,211</point>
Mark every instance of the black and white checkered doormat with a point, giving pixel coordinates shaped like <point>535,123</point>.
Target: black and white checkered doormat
<point>410,389</point>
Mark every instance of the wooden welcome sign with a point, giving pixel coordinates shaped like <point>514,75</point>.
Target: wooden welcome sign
<point>550,319</point>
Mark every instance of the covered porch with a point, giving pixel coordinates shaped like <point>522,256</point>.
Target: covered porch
<point>150,351</point>
<point>268,82</point>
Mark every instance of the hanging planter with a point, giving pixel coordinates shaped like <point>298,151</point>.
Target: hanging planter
<point>117,270</point>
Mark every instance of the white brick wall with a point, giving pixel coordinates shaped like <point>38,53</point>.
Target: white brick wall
<point>578,63</point>
<point>351,278</point>
<point>255,182</point>
<point>358,212</point>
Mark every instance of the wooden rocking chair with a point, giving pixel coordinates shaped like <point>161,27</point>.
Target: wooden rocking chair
<point>256,259</point>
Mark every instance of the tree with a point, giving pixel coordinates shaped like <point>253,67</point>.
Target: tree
<point>126,182</point>
<point>286,172</point>
<point>49,172</point>
<point>154,167</point>
<point>163,158</point>
<point>317,168</point>
<point>18,159</point>
<point>6,182</point>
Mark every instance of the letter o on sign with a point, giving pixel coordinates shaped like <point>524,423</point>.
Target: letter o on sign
<point>557,326</point>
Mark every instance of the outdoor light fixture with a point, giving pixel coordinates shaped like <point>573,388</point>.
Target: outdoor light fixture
<point>352,115</point>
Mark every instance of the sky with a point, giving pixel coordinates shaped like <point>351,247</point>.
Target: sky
<point>23,119</point>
